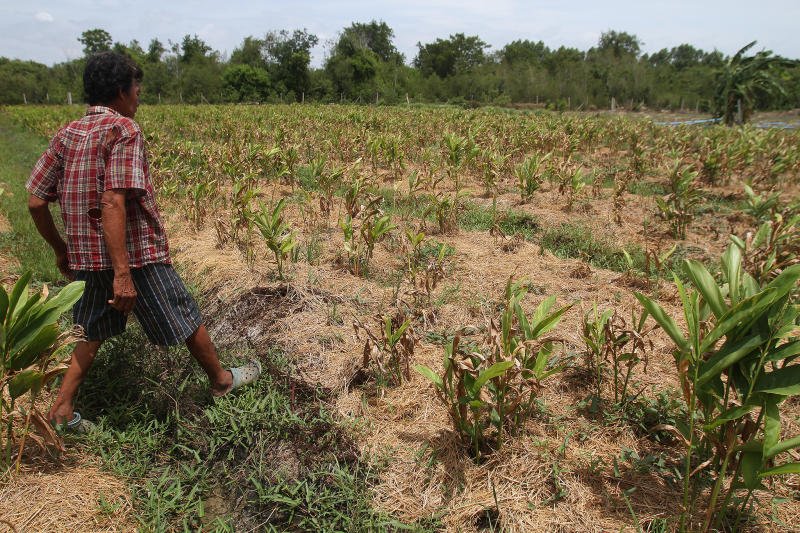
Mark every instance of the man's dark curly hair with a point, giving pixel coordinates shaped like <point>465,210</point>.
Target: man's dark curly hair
<point>107,73</point>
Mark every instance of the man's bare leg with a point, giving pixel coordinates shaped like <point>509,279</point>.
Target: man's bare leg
<point>203,350</point>
<point>82,358</point>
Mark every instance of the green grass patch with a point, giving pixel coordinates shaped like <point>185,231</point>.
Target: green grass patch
<point>718,204</point>
<point>475,217</point>
<point>405,206</point>
<point>647,188</point>
<point>572,241</point>
<point>431,249</point>
<point>270,450</point>
<point>19,151</point>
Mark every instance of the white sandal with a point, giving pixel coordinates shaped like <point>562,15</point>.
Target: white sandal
<point>243,375</point>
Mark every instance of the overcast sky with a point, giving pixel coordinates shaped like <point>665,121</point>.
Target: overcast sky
<point>47,31</point>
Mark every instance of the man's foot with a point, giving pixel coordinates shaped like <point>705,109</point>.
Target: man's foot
<point>78,424</point>
<point>240,376</point>
<point>224,385</point>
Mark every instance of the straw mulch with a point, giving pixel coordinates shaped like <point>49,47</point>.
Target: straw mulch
<point>556,476</point>
<point>74,496</point>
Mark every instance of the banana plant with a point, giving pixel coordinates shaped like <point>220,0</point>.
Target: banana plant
<point>735,365</point>
<point>29,340</point>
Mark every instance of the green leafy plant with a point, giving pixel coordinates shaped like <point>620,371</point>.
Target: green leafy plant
<point>492,393</point>
<point>617,346</point>
<point>30,355</point>
<point>278,235</point>
<point>758,206</point>
<point>493,164</point>
<point>362,233</point>
<point>200,194</point>
<point>735,367</point>
<point>388,354</point>
<point>683,199</point>
<point>577,184</point>
<point>528,174</point>
<point>773,247</point>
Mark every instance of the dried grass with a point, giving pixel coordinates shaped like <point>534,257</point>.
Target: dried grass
<point>310,315</point>
<point>65,497</point>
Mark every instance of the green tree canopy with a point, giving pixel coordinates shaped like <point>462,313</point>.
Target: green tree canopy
<point>619,44</point>
<point>249,53</point>
<point>154,51</point>
<point>245,83</point>
<point>457,54</point>
<point>288,56</point>
<point>94,41</point>
<point>524,52</point>
<point>192,49</point>
<point>375,36</point>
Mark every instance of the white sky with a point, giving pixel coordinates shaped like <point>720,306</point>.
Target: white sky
<point>47,31</point>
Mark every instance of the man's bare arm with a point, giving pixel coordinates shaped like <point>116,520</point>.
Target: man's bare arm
<point>114,232</point>
<point>43,219</point>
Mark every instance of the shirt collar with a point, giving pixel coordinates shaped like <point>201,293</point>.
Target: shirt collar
<point>99,110</point>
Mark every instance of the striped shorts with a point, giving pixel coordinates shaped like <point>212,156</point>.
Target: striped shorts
<point>164,308</point>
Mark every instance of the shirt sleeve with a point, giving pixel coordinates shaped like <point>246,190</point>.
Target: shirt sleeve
<point>126,163</point>
<point>49,169</point>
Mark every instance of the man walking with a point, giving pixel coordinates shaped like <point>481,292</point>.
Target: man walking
<point>96,169</point>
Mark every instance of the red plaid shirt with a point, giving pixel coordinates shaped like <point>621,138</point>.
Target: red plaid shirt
<point>87,157</point>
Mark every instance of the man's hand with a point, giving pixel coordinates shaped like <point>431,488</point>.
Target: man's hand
<point>114,231</point>
<point>63,266</point>
<point>40,212</point>
<point>124,293</point>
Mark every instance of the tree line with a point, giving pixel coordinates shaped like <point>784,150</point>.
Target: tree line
<point>363,65</point>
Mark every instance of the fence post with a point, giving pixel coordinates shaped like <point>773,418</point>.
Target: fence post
<point>159,98</point>
<point>613,104</point>
<point>47,96</point>
<point>69,98</point>
<point>408,102</point>
<point>376,98</point>
<point>24,99</point>
<point>303,97</point>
